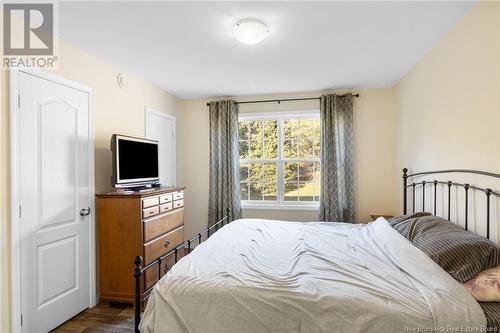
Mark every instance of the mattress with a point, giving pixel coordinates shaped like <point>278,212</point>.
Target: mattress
<point>270,276</point>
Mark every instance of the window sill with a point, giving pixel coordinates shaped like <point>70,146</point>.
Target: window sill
<point>279,207</point>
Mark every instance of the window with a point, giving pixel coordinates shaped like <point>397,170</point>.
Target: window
<point>279,160</point>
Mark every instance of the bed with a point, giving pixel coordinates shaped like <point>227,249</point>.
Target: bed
<point>272,276</point>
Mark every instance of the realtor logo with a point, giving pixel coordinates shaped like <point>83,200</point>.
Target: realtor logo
<point>37,22</point>
<point>28,35</point>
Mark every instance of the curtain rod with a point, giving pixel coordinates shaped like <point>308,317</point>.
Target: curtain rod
<point>284,100</point>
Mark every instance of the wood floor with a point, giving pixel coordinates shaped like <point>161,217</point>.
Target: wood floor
<point>102,318</point>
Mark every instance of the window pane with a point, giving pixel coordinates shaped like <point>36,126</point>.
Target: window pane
<point>306,181</point>
<point>308,128</point>
<point>291,191</point>
<point>243,172</point>
<point>316,147</point>
<point>269,191</point>
<point>255,149</point>
<point>305,148</point>
<point>317,188</point>
<point>244,190</point>
<point>290,172</point>
<point>270,129</point>
<point>270,149</point>
<point>301,181</point>
<point>301,138</point>
<point>244,181</point>
<point>317,172</point>
<point>270,139</point>
<point>255,193</point>
<point>254,130</point>
<point>290,148</point>
<point>243,146</point>
<point>243,130</point>
<point>306,171</point>
<point>263,139</point>
<point>262,179</point>
<point>290,130</point>
<point>306,191</point>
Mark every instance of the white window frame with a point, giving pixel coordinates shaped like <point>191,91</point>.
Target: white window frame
<point>280,205</point>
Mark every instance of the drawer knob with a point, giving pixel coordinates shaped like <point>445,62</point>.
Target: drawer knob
<point>167,243</point>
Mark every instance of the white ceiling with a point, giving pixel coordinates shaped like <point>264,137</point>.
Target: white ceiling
<point>187,48</point>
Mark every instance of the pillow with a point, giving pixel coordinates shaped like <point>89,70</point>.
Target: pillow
<point>403,224</point>
<point>486,286</point>
<point>461,253</point>
<point>403,218</point>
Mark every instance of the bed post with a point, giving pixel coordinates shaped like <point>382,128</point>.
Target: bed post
<point>137,303</point>
<point>466,188</point>
<point>488,194</point>
<point>405,183</point>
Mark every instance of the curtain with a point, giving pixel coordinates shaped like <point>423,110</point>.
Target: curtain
<point>224,182</point>
<point>337,169</point>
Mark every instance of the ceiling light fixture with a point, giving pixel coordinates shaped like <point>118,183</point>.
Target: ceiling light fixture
<point>250,31</point>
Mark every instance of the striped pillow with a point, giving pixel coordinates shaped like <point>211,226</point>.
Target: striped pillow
<point>404,224</point>
<point>461,253</point>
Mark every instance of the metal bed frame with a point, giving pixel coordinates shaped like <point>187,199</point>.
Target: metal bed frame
<point>187,245</point>
<point>488,192</point>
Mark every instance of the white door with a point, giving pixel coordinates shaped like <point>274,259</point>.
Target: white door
<point>161,127</point>
<point>54,198</point>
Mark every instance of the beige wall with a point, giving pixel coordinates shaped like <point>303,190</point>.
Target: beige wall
<point>448,106</point>
<point>115,110</point>
<point>375,148</point>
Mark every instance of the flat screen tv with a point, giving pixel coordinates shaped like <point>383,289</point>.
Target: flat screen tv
<point>135,161</point>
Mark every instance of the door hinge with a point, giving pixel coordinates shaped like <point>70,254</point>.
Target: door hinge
<point>21,320</point>
<point>19,100</point>
<point>19,211</point>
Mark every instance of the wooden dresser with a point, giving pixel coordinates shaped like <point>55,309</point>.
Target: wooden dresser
<point>147,224</point>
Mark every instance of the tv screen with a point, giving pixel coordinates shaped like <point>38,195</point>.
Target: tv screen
<point>136,160</point>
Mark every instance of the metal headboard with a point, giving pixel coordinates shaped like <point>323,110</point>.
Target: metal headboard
<point>466,187</point>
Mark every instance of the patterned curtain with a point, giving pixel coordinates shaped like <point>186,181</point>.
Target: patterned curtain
<point>337,170</point>
<point>224,183</point>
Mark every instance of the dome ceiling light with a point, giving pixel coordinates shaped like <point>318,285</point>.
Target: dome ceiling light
<point>250,31</point>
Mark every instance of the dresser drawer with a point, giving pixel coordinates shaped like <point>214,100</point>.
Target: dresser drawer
<point>149,202</point>
<point>151,211</point>
<point>178,204</point>
<point>162,244</point>
<point>178,195</point>
<point>166,207</point>
<point>151,274</point>
<point>165,198</point>
<point>159,225</point>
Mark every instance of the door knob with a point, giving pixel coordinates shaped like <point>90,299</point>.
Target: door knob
<point>85,211</point>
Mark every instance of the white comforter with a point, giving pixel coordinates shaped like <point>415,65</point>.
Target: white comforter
<point>272,276</point>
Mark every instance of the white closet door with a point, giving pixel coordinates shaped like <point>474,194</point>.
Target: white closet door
<point>161,127</point>
<point>54,184</point>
